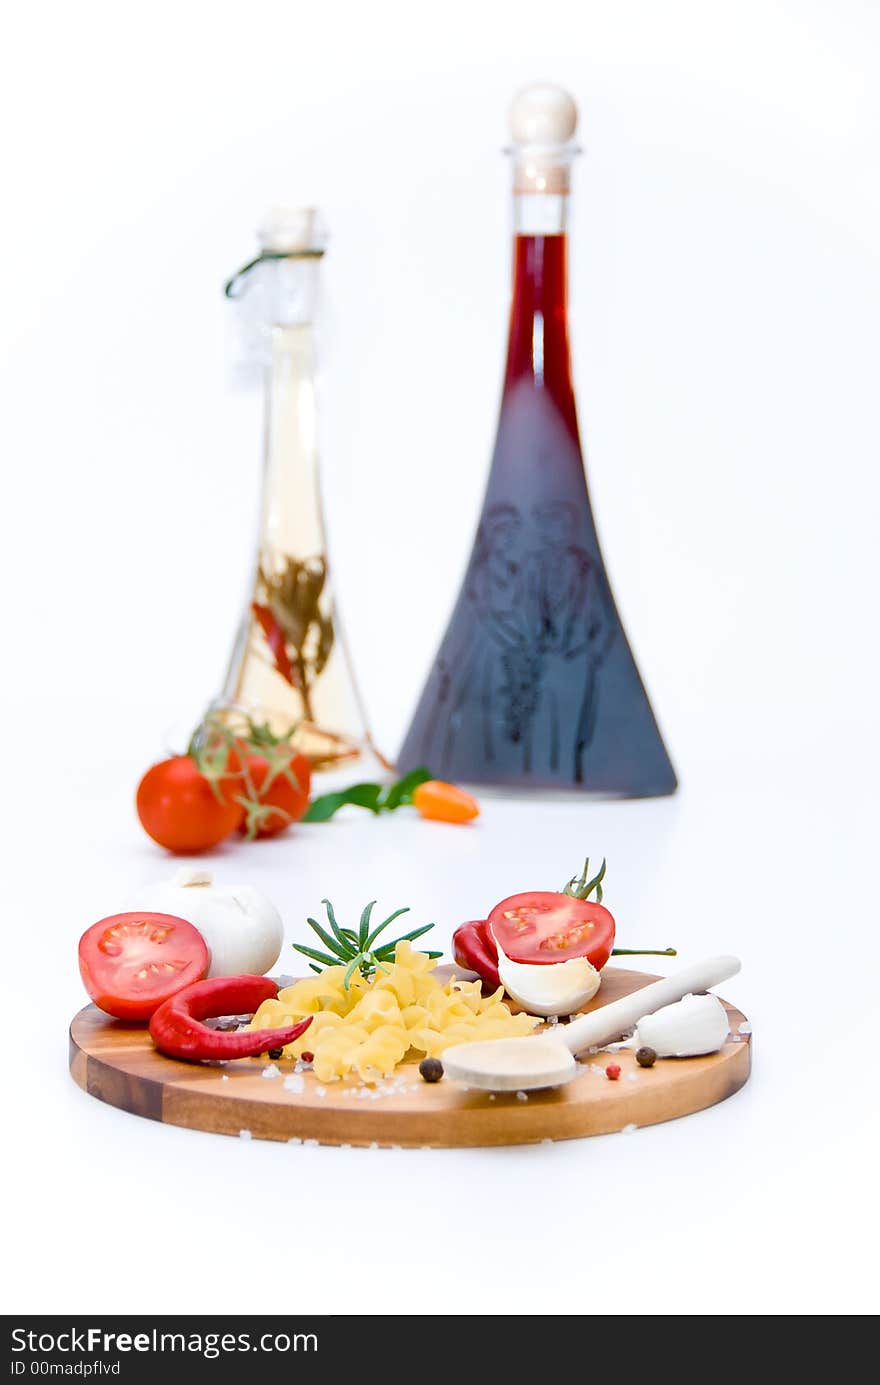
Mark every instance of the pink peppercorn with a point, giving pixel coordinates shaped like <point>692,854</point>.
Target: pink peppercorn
<point>612,1072</point>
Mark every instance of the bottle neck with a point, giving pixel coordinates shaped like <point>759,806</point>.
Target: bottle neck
<point>538,347</point>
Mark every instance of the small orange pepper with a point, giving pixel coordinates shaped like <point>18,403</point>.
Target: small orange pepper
<point>444,802</point>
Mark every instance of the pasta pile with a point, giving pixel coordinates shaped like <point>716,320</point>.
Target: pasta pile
<point>372,1026</point>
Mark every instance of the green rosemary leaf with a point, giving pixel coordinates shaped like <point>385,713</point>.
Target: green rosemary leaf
<point>416,933</point>
<point>376,931</point>
<point>316,955</point>
<point>327,940</point>
<point>344,943</point>
<point>364,929</point>
<point>312,967</point>
<point>402,791</point>
<point>351,971</point>
<point>388,948</point>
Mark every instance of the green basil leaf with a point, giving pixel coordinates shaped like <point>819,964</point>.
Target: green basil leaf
<point>402,791</point>
<point>360,795</point>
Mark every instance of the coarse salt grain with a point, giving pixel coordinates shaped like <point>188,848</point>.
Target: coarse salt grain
<point>632,1077</point>
<point>522,1096</point>
<point>294,1140</point>
<point>271,1070</point>
<point>310,1144</point>
<point>294,1083</point>
<point>245,1135</point>
<point>628,1129</point>
<point>224,1077</point>
<point>745,1027</point>
<point>320,1091</point>
<point>374,1144</point>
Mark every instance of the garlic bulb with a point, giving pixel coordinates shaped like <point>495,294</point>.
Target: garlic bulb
<point>551,988</point>
<point>697,1024</point>
<point>242,928</point>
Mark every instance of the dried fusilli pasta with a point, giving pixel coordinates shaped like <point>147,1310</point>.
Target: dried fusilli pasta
<point>372,1026</point>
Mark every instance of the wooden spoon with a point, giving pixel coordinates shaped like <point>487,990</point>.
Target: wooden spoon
<point>547,1060</point>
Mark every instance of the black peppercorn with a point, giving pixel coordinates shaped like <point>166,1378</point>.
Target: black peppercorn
<point>431,1069</point>
<point>276,1053</point>
<point>646,1057</point>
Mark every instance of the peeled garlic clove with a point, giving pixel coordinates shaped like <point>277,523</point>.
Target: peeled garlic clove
<point>697,1024</point>
<point>551,988</point>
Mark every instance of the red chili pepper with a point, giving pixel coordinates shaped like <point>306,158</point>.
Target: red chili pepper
<point>276,642</point>
<point>612,1072</point>
<point>177,1031</point>
<point>474,947</point>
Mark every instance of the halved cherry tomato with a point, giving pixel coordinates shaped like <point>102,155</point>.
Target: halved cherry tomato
<point>444,802</point>
<point>182,810</point>
<point>281,787</point>
<point>131,963</point>
<point>543,926</point>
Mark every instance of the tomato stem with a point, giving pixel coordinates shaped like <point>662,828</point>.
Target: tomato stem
<point>579,887</point>
<point>643,952</point>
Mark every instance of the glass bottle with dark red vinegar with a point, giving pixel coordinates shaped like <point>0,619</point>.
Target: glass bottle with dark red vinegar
<point>534,683</point>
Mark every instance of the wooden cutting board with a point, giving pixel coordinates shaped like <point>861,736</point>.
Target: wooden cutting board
<point>117,1063</point>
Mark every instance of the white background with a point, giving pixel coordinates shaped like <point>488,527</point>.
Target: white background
<point>725,301</point>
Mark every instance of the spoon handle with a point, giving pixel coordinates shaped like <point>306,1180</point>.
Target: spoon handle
<point>609,1022</point>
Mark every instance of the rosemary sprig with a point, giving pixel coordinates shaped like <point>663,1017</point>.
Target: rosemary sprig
<point>356,948</point>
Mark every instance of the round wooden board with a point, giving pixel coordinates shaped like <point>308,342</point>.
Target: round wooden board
<point>117,1063</point>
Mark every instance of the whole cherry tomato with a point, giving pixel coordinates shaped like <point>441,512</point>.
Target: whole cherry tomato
<point>185,811</point>
<point>281,781</point>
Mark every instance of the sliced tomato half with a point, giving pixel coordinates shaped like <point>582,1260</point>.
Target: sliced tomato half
<point>131,963</point>
<point>544,926</point>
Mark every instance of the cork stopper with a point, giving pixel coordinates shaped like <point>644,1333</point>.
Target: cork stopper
<point>542,120</point>
<point>542,114</point>
<point>288,230</point>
